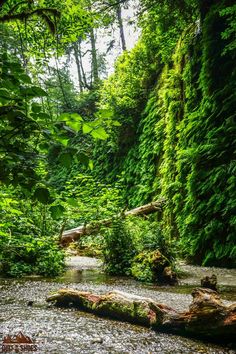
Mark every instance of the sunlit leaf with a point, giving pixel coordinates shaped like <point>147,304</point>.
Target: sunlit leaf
<point>105,113</point>
<point>86,128</point>
<point>73,202</point>
<point>74,125</point>
<point>116,123</point>
<point>99,133</point>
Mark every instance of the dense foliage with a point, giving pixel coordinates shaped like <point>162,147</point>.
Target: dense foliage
<point>25,246</point>
<point>136,247</point>
<point>161,125</point>
<point>174,94</point>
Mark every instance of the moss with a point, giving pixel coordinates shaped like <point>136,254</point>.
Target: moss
<point>207,146</point>
<point>183,143</point>
<point>149,266</point>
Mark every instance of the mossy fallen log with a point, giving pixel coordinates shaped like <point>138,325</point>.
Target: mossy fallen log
<point>72,235</point>
<point>207,316</point>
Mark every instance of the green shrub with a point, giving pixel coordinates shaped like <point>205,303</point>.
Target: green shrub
<point>136,246</point>
<point>149,266</point>
<point>89,246</point>
<point>148,236</point>
<point>118,249</point>
<point>30,255</point>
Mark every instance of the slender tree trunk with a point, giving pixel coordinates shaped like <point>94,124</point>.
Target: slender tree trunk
<point>81,65</point>
<point>25,61</point>
<point>61,85</point>
<point>121,27</point>
<point>95,77</point>
<point>77,60</point>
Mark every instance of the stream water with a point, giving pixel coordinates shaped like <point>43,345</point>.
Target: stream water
<point>56,331</point>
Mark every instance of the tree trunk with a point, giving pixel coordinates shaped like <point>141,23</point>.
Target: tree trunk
<point>67,104</point>
<point>121,27</point>
<point>77,60</point>
<point>94,58</point>
<point>207,316</point>
<point>81,65</point>
<point>74,234</point>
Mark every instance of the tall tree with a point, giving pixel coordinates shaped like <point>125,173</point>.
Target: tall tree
<point>94,61</point>
<point>78,65</point>
<point>121,26</point>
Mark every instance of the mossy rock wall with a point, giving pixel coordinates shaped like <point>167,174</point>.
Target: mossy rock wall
<point>183,144</point>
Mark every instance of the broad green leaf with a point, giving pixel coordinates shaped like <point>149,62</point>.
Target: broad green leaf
<point>65,159</point>
<point>57,211</point>
<point>4,101</point>
<point>36,108</point>
<point>44,147</point>
<point>70,117</point>
<point>116,123</point>
<point>99,133</point>
<point>74,125</point>
<point>33,91</point>
<point>83,158</point>
<point>76,116</point>
<point>43,115</point>
<point>86,128</point>
<point>73,202</point>
<point>62,140</point>
<point>25,78</point>
<point>42,195</point>
<point>105,113</point>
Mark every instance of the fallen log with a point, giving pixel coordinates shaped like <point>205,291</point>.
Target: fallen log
<point>72,235</point>
<point>207,316</point>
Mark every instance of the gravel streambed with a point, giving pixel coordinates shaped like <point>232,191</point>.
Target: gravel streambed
<point>58,331</point>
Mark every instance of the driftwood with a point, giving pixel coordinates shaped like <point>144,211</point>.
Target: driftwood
<point>207,316</point>
<point>72,235</point>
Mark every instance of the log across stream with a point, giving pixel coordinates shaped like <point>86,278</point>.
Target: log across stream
<point>207,316</point>
<point>72,235</point>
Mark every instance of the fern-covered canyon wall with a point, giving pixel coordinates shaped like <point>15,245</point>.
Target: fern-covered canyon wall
<point>175,99</point>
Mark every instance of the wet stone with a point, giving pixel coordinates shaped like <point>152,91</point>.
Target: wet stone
<point>97,340</point>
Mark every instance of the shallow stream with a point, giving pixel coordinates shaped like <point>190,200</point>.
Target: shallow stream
<point>56,331</point>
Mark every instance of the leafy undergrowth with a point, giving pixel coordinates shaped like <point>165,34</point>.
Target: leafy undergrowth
<point>29,255</point>
<point>137,247</point>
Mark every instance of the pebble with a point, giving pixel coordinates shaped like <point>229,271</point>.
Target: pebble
<point>97,340</point>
